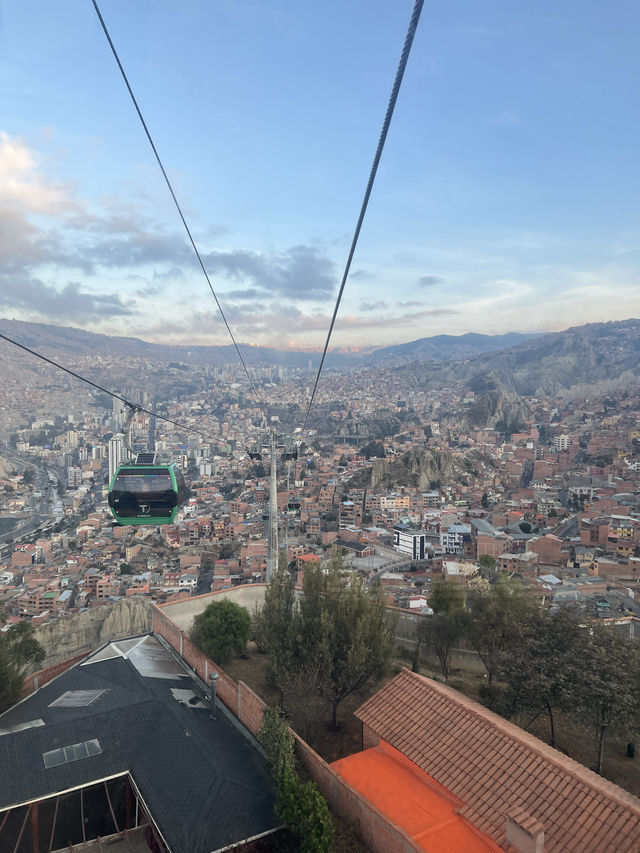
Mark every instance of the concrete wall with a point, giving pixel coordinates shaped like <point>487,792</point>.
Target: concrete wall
<point>406,636</point>
<point>182,613</point>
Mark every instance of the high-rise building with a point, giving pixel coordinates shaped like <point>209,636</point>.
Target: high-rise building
<point>116,453</point>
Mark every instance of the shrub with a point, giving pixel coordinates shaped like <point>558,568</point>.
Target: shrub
<point>222,630</point>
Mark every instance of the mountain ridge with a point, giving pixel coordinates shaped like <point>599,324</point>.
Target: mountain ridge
<point>596,354</point>
<point>442,348</point>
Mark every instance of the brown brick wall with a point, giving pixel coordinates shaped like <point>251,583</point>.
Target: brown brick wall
<point>44,676</point>
<point>369,737</point>
<point>250,708</point>
<point>226,688</point>
<point>376,830</point>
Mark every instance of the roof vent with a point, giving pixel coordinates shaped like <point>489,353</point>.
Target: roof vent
<point>524,832</point>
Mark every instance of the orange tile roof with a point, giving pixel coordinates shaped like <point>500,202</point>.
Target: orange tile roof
<point>494,768</point>
<point>413,801</point>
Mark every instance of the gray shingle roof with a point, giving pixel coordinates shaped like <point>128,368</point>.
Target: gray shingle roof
<point>203,781</point>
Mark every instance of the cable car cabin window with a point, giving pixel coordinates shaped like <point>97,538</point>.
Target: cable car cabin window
<point>144,496</point>
<point>143,483</point>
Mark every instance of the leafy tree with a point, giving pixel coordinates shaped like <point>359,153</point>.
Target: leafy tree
<point>440,632</point>
<point>126,569</point>
<point>222,630</point>
<point>445,627</point>
<point>344,631</point>
<point>302,806</point>
<point>18,649</point>
<point>609,693</point>
<point>447,597</point>
<point>525,526</point>
<point>415,660</point>
<point>484,501</point>
<point>27,475</point>
<point>495,620</point>
<point>276,738</point>
<point>276,625</point>
<point>487,565</point>
<point>305,813</point>
<point>539,664</point>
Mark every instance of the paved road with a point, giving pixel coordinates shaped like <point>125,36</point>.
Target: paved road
<point>568,529</point>
<point>204,583</point>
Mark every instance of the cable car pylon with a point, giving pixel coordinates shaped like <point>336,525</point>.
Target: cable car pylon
<point>272,553</point>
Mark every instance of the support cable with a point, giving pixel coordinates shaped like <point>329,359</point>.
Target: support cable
<point>413,24</point>
<point>107,391</point>
<point>173,195</point>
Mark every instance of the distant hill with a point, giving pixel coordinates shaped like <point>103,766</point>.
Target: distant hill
<point>446,348</point>
<point>598,356</point>
<point>52,340</point>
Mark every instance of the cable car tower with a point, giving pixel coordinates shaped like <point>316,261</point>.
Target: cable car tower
<point>272,551</point>
<point>271,442</point>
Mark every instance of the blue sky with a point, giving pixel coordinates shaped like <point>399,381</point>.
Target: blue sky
<point>507,197</point>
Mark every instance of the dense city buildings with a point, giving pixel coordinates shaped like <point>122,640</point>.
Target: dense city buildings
<point>392,470</point>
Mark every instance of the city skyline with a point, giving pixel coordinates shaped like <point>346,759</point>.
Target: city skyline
<point>505,199</point>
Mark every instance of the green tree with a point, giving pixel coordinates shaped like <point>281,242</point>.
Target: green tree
<point>222,630</point>
<point>126,569</point>
<point>495,619</point>
<point>305,813</point>
<point>18,649</point>
<point>447,597</point>
<point>484,500</point>
<point>301,806</point>
<point>609,693</point>
<point>442,630</point>
<point>344,631</point>
<point>540,665</point>
<point>487,565</point>
<point>27,475</point>
<point>278,742</point>
<point>276,625</point>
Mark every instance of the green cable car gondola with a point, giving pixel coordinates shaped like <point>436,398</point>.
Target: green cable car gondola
<point>293,505</point>
<point>143,492</point>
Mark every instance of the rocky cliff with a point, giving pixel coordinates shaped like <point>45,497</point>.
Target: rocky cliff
<point>69,635</point>
<point>418,467</point>
<point>499,409</point>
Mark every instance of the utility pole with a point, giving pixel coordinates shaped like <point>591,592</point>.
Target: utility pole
<point>272,555</point>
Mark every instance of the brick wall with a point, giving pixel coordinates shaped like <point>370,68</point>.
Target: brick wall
<point>250,708</point>
<point>226,688</point>
<point>375,829</point>
<point>369,737</point>
<point>44,676</point>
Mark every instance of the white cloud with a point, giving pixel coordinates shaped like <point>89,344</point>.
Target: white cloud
<point>23,186</point>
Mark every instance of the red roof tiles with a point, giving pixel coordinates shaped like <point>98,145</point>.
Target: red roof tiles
<point>494,767</point>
